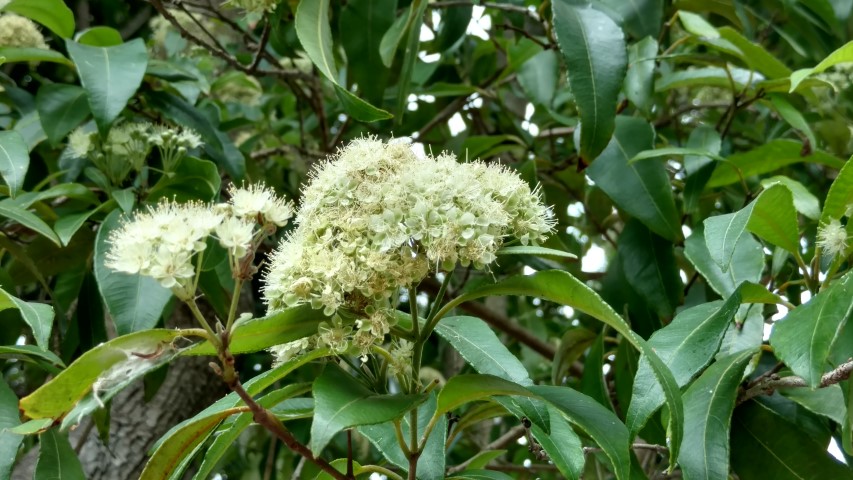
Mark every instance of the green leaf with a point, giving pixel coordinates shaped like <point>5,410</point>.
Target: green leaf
<point>708,405</point>
<point>275,329</point>
<point>393,36</point>
<point>29,220</point>
<point>765,445</point>
<point>755,56</point>
<point>480,475</point>
<point>14,160</point>
<point>639,18</point>
<point>562,445</point>
<point>642,189</point>
<point>57,460</point>
<point>650,268</point>
<point>463,389</point>
<point>31,54</point>
<point>675,151</point>
<point>110,76</point>
<point>39,316</point>
<point>112,361</point>
<point>135,302</point>
<point>410,56</point>
<point>315,35</point>
<point>181,443</point>
<point>697,25</point>
<point>827,401</point>
<point>482,349</point>
<point>769,157</point>
<point>61,109</point>
<point>33,427</point>
<point>367,20</point>
<point>99,36</point>
<point>594,47</point>
<point>840,195</point>
<point>68,225</point>
<point>699,168</point>
<point>708,77</point>
<point>536,251</point>
<point>793,117</point>
<point>538,77</point>
<point>804,201</point>
<point>804,337</point>
<point>561,287</point>
<point>640,76</point>
<point>193,179</point>
<point>53,14</point>
<point>746,265</point>
<point>341,402</point>
<point>33,354</point>
<point>841,55</point>
<point>595,420</point>
<point>9,418</point>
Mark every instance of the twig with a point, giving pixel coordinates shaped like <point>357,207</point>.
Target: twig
<point>284,149</point>
<point>262,45</point>
<point>493,5</point>
<point>773,382</point>
<point>507,438</point>
<point>637,446</point>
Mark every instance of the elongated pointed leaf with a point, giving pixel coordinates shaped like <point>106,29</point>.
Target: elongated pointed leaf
<point>840,195</point>
<point>841,55</point>
<point>562,287</point>
<point>463,389</point>
<point>642,189</point>
<point>769,157</point>
<point>315,35</point>
<point>135,302</point>
<point>39,316</point>
<point>14,160</point>
<point>57,460</point>
<point>367,21</point>
<point>110,76</point>
<point>32,54</point>
<point>755,55</point>
<point>341,402</point>
<point>482,349</point>
<point>804,201</point>
<point>61,109</point>
<point>594,47</point>
<point>562,445</point>
<point>804,337</point>
<point>536,251</point>
<point>650,268</point>
<point>746,266</point>
<point>639,19</point>
<point>598,422</point>
<point>29,220</point>
<point>708,405</point>
<point>113,361</point>
<point>765,445</point>
<point>53,14</point>
<point>793,117</point>
<point>9,418</point>
<point>639,79</point>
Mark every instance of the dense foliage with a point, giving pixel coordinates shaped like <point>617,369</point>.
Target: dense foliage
<point>429,239</point>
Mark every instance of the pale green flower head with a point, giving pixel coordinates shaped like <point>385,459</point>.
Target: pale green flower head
<point>376,218</point>
<point>254,6</point>
<point>832,238</point>
<point>21,32</point>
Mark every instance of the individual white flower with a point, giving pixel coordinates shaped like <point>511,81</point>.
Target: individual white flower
<point>832,238</point>
<point>171,268</point>
<point>80,142</point>
<point>401,358</point>
<point>335,336</point>
<point>235,234</point>
<point>285,352</point>
<point>257,201</point>
<point>20,32</point>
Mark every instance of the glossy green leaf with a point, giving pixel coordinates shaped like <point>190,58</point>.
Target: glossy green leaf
<point>708,77</point>
<point>482,348</point>
<point>29,220</point>
<point>827,401</point>
<point>315,35</point>
<point>769,157</point>
<point>410,56</point>
<point>793,117</point>
<point>9,418</point>
<point>594,48</point>
<point>275,329</point>
<point>697,25</point>
<point>110,76</point>
<point>53,14</point>
<point>641,18</point>
<point>840,195</point>
<point>181,443</point>
<point>539,76</point>
<point>14,160</point>
<point>675,151</point>
<point>804,201</point>
<point>39,316</point>
<point>648,262</point>
<point>61,109</point>
<point>480,475</point>
<point>57,460</point>
<point>193,179</point>
<point>562,287</point>
<point>135,302</point>
<point>111,361</point>
<point>755,56</point>
<point>765,445</point>
<point>463,389</point>
<point>640,76</point>
<point>804,337</point>
<point>592,381</point>
<point>33,427</point>
<point>699,168</point>
<point>536,251</point>
<point>68,225</point>
<point>841,55</point>
<point>33,354</point>
<point>367,20</point>
<point>99,36</point>
<point>708,405</point>
<point>341,402</point>
<point>573,344</point>
<point>641,189</point>
<point>393,36</point>
<point>31,54</point>
<point>746,265</point>
<point>595,420</point>
<point>562,444</point>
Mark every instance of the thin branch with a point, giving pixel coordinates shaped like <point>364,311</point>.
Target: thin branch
<point>493,5</point>
<point>637,446</point>
<point>773,382</point>
<point>507,438</point>
<point>265,36</point>
<point>283,150</point>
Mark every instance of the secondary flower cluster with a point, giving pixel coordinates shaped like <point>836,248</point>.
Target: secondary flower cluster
<point>376,218</point>
<point>163,241</point>
<point>18,31</point>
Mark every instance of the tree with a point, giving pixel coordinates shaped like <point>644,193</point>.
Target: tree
<point>256,231</point>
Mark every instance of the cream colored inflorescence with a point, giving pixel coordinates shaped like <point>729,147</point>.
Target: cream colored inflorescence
<point>21,32</point>
<point>376,218</point>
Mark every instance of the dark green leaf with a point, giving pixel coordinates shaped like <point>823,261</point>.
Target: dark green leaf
<point>410,56</point>
<point>769,157</point>
<point>135,302</point>
<point>14,160</point>
<point>9,418</point>
<point>639,79</point>
<point>827,401</point>
<point>755,55</point>
<point>393,36</point>
<point>367,21</point>
<point>562,445</point>
<point>804,201</point>
<point>30,54</point>
<point>804,337</point>
<point>31,353</point>
<point>39,316</point>
<point>110,76</point>
<point>480,475</point>
<point>341,402</point>
<point>538,77</point>
<point>765,445</point>
<point>598,422</point>
<point>708,405</point>
<point>482,349</point>
<point>29,220</point>
<point>639,19</point>
<point>793,117</point>
<point>57,460</point>
<point>61,109</point>
<point>99,36</point>
<point>53,14</point>
<point>641,189</point>
<point>594,47</point>
<point>650,268</point>
<point>68,225</point>
<point>746,265</point>
<point>463,389</point>
<point>193,179</point>
<point>840,195</point>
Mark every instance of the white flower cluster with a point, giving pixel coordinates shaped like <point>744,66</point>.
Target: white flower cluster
<point>163,241</point>
<point>832,238</point>
<point>375,218</point>
<point>21,32</point>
